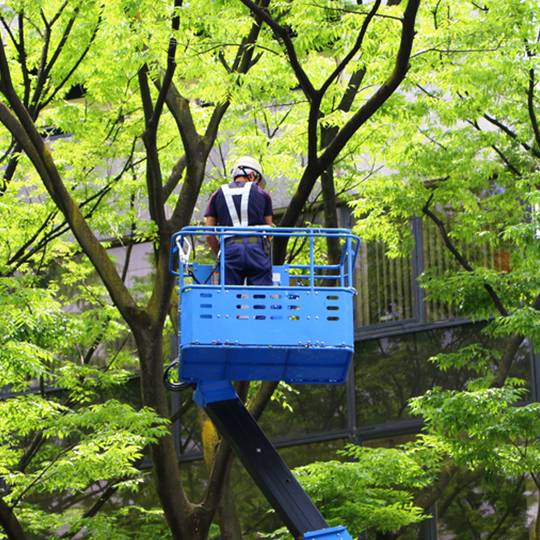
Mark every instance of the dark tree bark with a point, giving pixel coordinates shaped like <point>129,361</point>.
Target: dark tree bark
<point>330,201</point>
<point>10,523</point>
<point>330,213</point>
<point>229,523</point>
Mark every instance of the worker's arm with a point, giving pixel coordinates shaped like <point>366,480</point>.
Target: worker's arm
<point>212,241</point>
<point>268,221</point>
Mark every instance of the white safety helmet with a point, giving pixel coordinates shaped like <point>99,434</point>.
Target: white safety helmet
<point>245,165</point>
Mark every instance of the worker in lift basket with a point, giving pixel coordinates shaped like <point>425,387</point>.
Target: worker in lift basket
<point>243,203</point>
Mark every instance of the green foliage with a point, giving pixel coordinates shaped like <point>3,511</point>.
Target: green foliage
<point>522,321</point>
<point>474,357</point>
<point>82,439</point>
<point>483,428</point>
<point>456,147</point>
<point>437,146</point>
<point>373,490</point>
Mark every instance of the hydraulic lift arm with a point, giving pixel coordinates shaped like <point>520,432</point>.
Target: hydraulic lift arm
<point>264,464</point>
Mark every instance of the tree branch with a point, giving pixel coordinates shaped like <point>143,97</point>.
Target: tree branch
<point>196,147</point>
<point>498,530</point>
<point>9,32</point>
<point>261,399</point>
<point>174,177</point>
<point>20,48</point>
<point>455,51</point>
<point>25,132</point>
<point>385,90</point>
<point>111,489</point>
<point>178,106</point>
<point>357,46</point>
<point>282,33</point>
<point>35,444</point>
<point>512,134</point>
<point>57,15</point>
<point>350,93</point>
<point>26,251</point>
<point>69,74</point>
<point>196,155</point>
<point>38,103</point>
<point>497,150</point>
<point>152,115</point>
<point>42,473</point>
<point>153,167</point>
<point>459,257</point>
<point>169,71</point>
<point>357,11</point>
<point>24,247</point>
<point>510,352</point>
<point>22,60</point>
<point>42,71</point>
<point>505,160</point>
<point>56,54</point>
<point>532,113</point>
<point>313,170</point>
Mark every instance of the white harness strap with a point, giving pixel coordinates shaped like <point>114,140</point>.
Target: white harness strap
<point>228,192</point>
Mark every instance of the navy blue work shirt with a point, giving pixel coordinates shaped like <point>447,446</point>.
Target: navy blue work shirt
<point>259,206</point>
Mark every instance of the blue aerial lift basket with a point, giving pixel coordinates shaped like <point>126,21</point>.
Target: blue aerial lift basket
<point>300,330</point>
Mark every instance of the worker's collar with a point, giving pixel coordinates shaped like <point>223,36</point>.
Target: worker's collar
<point>235,183</point>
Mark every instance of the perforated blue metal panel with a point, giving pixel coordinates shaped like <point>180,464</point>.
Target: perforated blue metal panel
<point>268,333</point>
<point>266,316</point>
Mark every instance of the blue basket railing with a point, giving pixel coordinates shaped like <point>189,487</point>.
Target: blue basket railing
<point>305,275</point>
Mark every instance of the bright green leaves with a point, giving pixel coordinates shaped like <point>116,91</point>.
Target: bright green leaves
<point>406,466</point>
<point>383,212</point>
<point>463,130</point>
<point>524,321</point>
<point>118,525</point>
<point>469,292</point>
<point>23,415</point>
<point>58,433</point>
<point>32,326</point>
<point>372,490</point>
<point>86,383</point>
<point>433,139</point>
<point>79,447</point>
<point>473,357</point>
<point>455,148</point>
<point>484,429</point>
<point>38,336</point>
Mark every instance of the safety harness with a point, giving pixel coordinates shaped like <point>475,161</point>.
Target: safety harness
<point>228,192</point>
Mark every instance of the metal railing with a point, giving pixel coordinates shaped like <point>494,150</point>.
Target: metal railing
<point>306,275</point>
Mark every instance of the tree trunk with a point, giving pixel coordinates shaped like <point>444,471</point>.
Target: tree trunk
<point>229,523</point>
<point>386,536</point>
<point>535,533</point>
<point>329,198</point>
<point>330,213</point>
<point>186,520</point>
<point>178,511</point>
<point>10,523</point>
